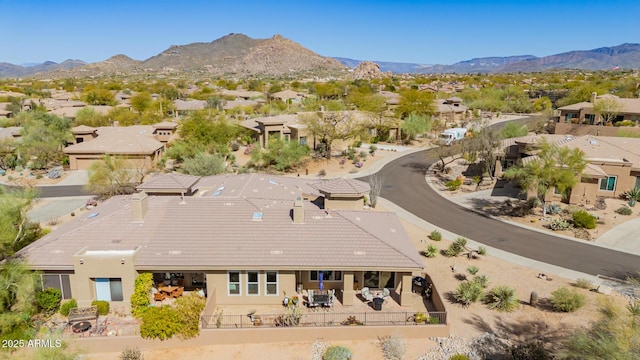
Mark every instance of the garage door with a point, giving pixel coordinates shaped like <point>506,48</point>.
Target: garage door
<point>84,164</point>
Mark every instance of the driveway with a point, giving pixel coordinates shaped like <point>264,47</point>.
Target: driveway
<point>404,185</point>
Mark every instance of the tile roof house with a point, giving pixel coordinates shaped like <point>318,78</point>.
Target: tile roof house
<point>244,239</point>
<point>143,144</point>
<point>584,113</point>
<point>613,164</point>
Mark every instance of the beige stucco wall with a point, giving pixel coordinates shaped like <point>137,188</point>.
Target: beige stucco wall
<point>84,161</point>
<point>217,287</point>
<point>108,264</point>
<point>344,203</point>
<point>270,335</point>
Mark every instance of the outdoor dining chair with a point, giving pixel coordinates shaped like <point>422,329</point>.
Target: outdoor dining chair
<point>366,294</point>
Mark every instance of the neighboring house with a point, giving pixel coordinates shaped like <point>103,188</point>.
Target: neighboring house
<point>289,96</point>
<point>243,238</point>
<point>4,113</point>
<point>71,111</point>
<point>583,112</point>
<point>451,110</point>
<point>183,107</point>
<point>11,132</point>
<point>142,144</point>
<point>613,164</point>
<point>288,127</point>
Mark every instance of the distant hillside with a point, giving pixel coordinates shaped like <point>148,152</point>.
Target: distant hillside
<point>10,70</point>
<point>625,56</point>
<point>239,54</point>
<point>115,65</point>
<point>394,67</point>
<point>480,65</point>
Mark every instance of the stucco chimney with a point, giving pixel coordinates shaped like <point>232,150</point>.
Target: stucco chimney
<point>593,97</point>
<point>139,206</point>
<point>298,211</point>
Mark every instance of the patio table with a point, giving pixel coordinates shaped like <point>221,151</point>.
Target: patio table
<point>168,289</point>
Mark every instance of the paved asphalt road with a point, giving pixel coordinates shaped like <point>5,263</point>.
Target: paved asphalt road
<point>57,190</point>
<point>404,184</point>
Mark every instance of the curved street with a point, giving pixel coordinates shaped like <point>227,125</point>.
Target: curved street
<point>404,185</point>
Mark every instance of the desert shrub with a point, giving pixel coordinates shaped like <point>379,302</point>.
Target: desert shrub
<point>583,219</point>
<point>435,235</point>
<point>566,300</point>
<point>66,307</point>
<point>502,298</point>
<point>560,224</point>
<point>462,242</point>
<point>473,270</point>
<point>553,209</point>
<point>393,347</point>
<point>482,250</point>
<point>459,357</point>
<point>337,352</point>
<point>453,185</point>
<point>189,309</point>
<point>161,322</point>
<point>431,251</point>
<point>131,354</point>
<point>457,247</point>
<point>467,293</point>
<point>141,298</point>
<point>372,149</point>
<point>453,250</point>
<point>529,351</point>
<point>624,210</point>
<point>49,300</point>
<point>584,283</point>
<point>291,317</point>
<point>103,306</point>
<point>482,281</point>
<point>235,146</point>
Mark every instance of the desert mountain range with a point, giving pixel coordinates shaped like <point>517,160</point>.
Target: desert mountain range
<point>241,56</point>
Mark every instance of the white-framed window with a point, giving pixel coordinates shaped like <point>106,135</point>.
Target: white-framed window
<point>233,283</point>
<point>608,183</point>
<point>108,289</point>
<point>557,191</point>
<point>637,184</point>
<point>253,283</point>
<point>327,275</point>
<point>271,283</point>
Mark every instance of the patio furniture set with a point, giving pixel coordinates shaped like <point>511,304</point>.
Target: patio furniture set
<point>323,298</point>
<point>164,292</point>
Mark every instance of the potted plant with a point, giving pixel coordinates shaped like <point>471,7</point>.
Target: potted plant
<point>295,300</point>
<point>420,317</point>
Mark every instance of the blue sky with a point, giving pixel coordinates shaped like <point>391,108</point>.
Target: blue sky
<point>427,32</point>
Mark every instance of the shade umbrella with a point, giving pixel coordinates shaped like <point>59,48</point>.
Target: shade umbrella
<point>320,278</point>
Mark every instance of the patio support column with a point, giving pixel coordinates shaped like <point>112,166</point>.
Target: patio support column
<point>405,291</point>
<point>347,285</point>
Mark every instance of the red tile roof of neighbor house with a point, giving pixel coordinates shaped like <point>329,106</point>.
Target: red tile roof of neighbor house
<point>223,232</point>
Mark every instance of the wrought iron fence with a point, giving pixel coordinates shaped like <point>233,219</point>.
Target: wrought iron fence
<point>325,319</point>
